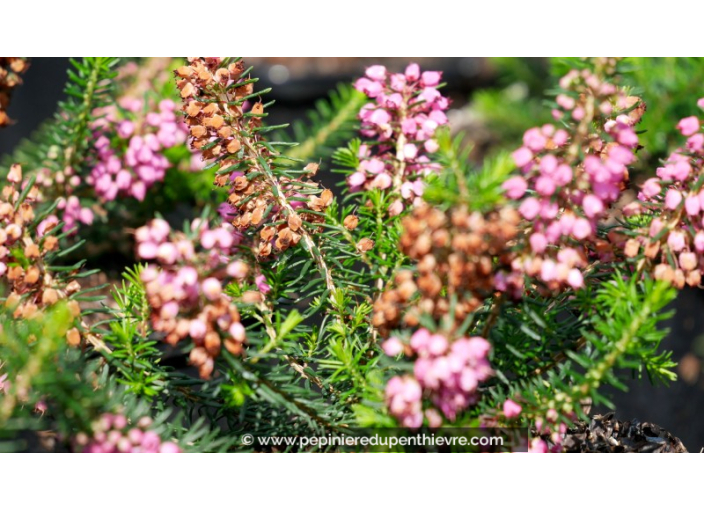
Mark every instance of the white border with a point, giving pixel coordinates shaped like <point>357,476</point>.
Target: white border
<point>341,481</point>
<point>352,28</point>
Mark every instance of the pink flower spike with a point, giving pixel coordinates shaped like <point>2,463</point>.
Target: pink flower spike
<point>511,409</point>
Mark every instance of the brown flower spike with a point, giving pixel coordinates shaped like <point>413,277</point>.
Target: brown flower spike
<point>458,251</point>
<point>33,288</point>
<point>283,208</point>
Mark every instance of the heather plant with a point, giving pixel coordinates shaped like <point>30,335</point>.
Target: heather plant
<point>423,291</point>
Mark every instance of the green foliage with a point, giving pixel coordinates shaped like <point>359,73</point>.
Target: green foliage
<point>617,328</point>
<point>331,123</point>
<point>133,352</point>
<point>480,189</point>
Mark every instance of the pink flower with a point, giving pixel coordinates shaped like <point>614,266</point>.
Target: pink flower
<point>522,156</point>
<point>581,229</point>
<point>357,179</point>
<point>147,250</point>
<point>392,347</point>
<point>592,206</point>
<point>125,129</point>
<point>575,279</point>
<point>212,288</point>
<point>376,72</point>
<point>511,409</point>
<point>402,123</point>
<point>537,445</point>
<point>410,151</point>
<point>651,187</point>
<point>673,198</point>
<point>530,208</point>
<point>676,241</point>
<point>167,253</point>
<point>380,117</point>
<point>262,285</point>
<point>237,331</point>
<point>381,181</point>
<point>692,205</point>
<point>396,208</point>
<point>412,72</point>
<point>515,187</point>
<point>431,78</point>
<point>370,88</point>
<point>688,126</point>
<point>534,140</point>
<point>169,447</point>
<point>695,143</point>
<point>688,261</point>
<point>197,329</point>
<point>699,242</point>
<point>431,146</point>
<point>538,242</point>
<point>548,270</point>
<point>237,269</point>
<point>565,102</point>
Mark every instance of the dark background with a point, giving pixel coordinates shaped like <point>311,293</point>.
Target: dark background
<point>299,82</point>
